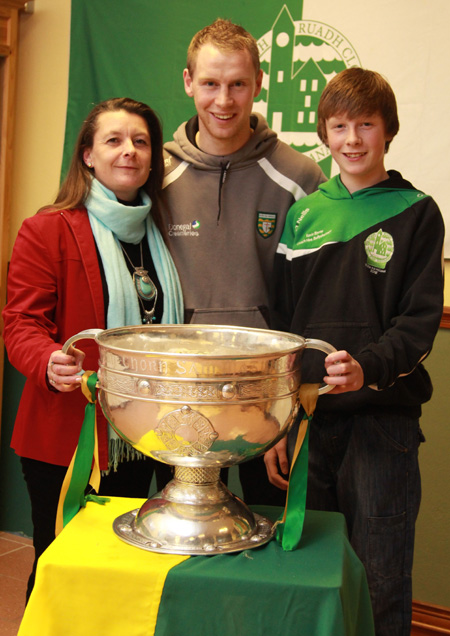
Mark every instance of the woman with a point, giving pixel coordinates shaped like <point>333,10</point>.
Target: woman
<point>71,269</point>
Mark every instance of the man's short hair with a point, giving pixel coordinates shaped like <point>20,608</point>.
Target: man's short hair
<point>227,37</point>
<point>357,92</point>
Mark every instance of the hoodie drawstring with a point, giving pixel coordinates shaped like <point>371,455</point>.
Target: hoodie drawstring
<point>223,175</point>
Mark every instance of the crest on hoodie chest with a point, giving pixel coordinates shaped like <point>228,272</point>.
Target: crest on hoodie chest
<point>266,222</point>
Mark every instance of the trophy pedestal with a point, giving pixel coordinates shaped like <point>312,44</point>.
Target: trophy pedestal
<point>194,514</point>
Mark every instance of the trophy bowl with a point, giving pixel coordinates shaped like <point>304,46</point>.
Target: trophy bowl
<point>200,398</point>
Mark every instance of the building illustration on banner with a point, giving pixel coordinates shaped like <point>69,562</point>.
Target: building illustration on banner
<point>298,58</point>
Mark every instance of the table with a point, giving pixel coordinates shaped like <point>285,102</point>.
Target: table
<point>90,583</point>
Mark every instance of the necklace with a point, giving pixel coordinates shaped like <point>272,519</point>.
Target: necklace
<point>145,287</point>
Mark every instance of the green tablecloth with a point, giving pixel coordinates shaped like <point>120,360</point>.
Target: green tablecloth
<point>91,583</point>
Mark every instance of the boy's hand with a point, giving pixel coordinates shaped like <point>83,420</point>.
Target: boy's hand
<point>277,464</point>
<point>344,372</point>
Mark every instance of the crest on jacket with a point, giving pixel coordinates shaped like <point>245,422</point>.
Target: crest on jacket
<point>266,223</point>
<point>379,248</point>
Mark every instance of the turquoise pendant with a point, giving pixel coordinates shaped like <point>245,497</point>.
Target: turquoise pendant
<point>144,285</point>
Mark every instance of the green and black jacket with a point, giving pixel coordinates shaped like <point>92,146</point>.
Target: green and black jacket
<point>363,271</point>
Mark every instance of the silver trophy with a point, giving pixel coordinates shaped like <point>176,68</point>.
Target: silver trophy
<point>200,398</point>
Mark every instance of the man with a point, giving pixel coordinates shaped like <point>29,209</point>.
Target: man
<point>228,186</point>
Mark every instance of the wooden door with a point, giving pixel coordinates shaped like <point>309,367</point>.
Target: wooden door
<point>9,34</point>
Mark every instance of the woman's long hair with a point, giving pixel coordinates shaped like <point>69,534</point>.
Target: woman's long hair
<point>77,183</point>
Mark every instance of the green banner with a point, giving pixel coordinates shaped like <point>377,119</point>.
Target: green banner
<point>138,49</point>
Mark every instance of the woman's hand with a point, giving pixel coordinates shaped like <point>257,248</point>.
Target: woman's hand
<point>63,369</point>
<point>344,372</point>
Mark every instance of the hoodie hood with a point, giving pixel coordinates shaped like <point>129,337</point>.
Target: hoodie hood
<point>336,190</point>
<point>261,144</point>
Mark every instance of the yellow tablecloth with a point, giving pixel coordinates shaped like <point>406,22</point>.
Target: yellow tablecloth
<point>90,583</point>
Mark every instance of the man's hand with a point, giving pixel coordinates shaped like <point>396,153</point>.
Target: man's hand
<point>276,463</point>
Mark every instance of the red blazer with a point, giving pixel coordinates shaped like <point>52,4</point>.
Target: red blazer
<point>54,291</point>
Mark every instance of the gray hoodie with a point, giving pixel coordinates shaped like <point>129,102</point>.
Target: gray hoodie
<point>224,219</point>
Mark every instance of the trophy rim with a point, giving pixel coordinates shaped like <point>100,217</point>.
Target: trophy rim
<point>293,342</point>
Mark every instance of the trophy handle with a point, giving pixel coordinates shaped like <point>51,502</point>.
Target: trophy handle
<point>82,335</point>
<point>321,345</point>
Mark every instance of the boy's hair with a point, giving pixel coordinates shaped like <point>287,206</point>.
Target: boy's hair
<point>357,92</point>
<point>227,37</point>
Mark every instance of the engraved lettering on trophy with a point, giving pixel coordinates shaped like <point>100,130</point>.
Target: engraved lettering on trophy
<point>199,368</point>
<point>181,369</point>
<point>149,365</point>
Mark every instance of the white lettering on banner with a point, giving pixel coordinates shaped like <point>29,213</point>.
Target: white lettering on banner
<point>329,35</point>
<point>263,45</point>
<point>318,153</point>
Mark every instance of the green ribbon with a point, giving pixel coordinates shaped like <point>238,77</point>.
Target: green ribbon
<point>75,497</point>
<point>290,527</point>
<point>96,499</point>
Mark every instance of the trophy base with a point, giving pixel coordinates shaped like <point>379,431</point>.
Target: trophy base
<point>194,514</point>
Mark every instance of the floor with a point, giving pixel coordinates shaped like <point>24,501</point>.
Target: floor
<point>16,558</point>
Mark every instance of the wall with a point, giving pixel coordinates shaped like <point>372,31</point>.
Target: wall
<point>41,107</point>
<point>41,103</point>
<point>431,580</point>
<point>447,287</point>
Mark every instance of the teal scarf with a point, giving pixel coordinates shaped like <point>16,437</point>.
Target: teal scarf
<point>112,221</point>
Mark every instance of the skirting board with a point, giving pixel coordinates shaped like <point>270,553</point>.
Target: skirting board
<point>445,321</point>
<point>430,620</point>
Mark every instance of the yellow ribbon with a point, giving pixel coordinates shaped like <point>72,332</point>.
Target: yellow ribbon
<point>84,467</point>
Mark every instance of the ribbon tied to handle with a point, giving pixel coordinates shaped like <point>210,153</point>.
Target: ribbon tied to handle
<point>84,468</point>
<point>290,527</point>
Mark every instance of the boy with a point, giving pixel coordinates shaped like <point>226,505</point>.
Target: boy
<point>360,266</point>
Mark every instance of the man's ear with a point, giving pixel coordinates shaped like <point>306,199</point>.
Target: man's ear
<point>259,79</point>
<point>188,83</point>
